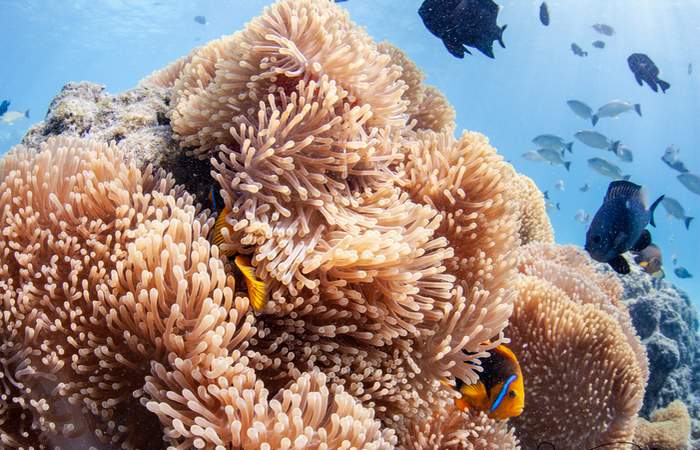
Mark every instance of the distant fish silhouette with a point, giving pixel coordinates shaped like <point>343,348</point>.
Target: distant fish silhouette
<point>200,20</point>
<point>598,44</point>
<point>4,106</point>
<point>602,28</point>
<point>690,68</point>
<point>463,23</point>
<point>645,70</point>
<point>544,14</point>
<point>578,51</point>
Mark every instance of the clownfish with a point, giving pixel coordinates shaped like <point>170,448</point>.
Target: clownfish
<point>257,289</point>
<point>500,391</point>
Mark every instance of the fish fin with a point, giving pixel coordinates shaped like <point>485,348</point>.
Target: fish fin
<point>615,146</point>
<point>506,352</point>
<point>687,221</point>
<point>558,207</point>
<point>594,119</point>
<point>626,177</point>
<point>26,114</point>
<point>620,265</point>
<point>638,108</point>
<point>474,394</point>
<point>644,264</point>
<point>663,84</point>
<point>622,189</point>
<point>570,147</point>
<point>257,289</point>
<point>638,78</point>
<point>643,241</point>
<point>500,37</point>
<point>216,237</point>
<point>546,195</point>
<point>653,207</point>
<point>567,165</point>
<point>456,49</point>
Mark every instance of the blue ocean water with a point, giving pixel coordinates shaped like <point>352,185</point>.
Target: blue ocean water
<point>512,98</point>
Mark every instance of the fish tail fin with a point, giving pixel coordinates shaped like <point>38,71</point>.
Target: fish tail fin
<point>500,37</point>
<point>615,146</point>
<point>687,222</point>
<point>627,177</point>
<point>473,394</point>
<point>664,85</point>
<point>594,119</point>
<point>567,165</point>
<point>570,147</point>
<point>257,289</point>
<point>653,207</point>
<point>638,108</point>
<point>558,206</point>
<point>546,194</point>
<point>26,114</point>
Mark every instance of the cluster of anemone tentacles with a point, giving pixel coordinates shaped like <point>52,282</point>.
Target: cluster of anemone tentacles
<point>388,246</point>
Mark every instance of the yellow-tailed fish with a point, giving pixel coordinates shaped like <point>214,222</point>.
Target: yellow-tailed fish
<point>500,391</point>
<point>257,289</point>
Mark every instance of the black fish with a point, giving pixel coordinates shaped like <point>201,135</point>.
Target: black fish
<point>200,20</point>
<point>578,51</point>
<point>598,44</point>
<point>463,23</point>
<point>644,69</point>
<point>544,14</point>
<point>4,106</point>
<point>619,225</point>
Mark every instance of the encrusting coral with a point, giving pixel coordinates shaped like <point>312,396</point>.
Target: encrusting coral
<point>668,429</point>
<point>583,362</point>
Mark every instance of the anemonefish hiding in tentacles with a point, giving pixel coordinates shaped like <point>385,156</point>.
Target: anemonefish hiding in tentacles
<point>500,391</point>
<point>257,289</point>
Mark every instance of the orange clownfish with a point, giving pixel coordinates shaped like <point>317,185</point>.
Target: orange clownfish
<point>500,391</point>
<point>257,289</point>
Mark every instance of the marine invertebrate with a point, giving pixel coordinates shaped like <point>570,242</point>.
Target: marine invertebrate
<point>532,213</point>
<point>567,332</point>
<point>669,428</point>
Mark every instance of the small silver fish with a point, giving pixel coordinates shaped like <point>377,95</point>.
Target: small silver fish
<point>671,159</point>
<point>10,117</point>
<point>606,168</point>
<point>532,155</point>
<point>582,216</point>
<point>602,28</point>
<point>596,140</point>
<point>585,188</point>
<point>553,141</point>
<point>614,109</point>
<point>690,181</point>
<point>554,157</point>
<point>559,185</point>
<point>674,209</point>
<point>682,272</point>
<point>624,153</point>
<point>580,109</point>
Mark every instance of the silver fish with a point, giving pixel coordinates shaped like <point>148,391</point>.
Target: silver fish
<point>624,153</point>
<point>582,216</point>
<point>614,109</point>
<point>10,117</point>
<point>585,188</point>
<point>605,167</point>
<point>604,29</point>
<point>596,140</point>
<point>552,141</point>
<point>674,209</point>
<point>578,51</point>
<point>671,159</point>
<point>554,157</point>
<point>580,109</point>
<point>690,181</point>
<point>532,155</point>
<point>559,185</point>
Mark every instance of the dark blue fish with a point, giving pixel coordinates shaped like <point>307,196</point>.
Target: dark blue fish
<point>598,44</point>
<point>619,225</point>
<point>340,1</point>
<point>544,14</point>
<point>645,70</point>
<point>682,272</point>
<point>4,106</point>
<point>200,20</point>
<point>578,51</point>
<point>463,23</point>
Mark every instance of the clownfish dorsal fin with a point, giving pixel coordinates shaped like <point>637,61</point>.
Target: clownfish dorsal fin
<point>506,352</point>
<point>257,289</point>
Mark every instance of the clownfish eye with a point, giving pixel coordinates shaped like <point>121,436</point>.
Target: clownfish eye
<point>512,394</point>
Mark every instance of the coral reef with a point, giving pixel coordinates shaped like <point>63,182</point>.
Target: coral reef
<point>584,365</point>
<point>668,429</point>
<point>667,322</point>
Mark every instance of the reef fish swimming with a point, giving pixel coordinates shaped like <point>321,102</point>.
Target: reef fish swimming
<point>614,109</point>
<point>578,51</point>
<point>257,289</point>
<point>580,109</point>
<point>597,140</point>
<point>606,168</point>
<point>671,159</point>
<point>463,23</point>
<point>500,391</point>
<point>553,141</point>
<point>598,44</point>
<point>602,28</point>
<point>674,209</point>
<point>645,70</point>
<point>619,225</point>
<point>650,260</point>
<point>554,157</point>
<point>544,14</point>
<point>10,117</point>
<point>690,181</point>
<point>682,272</point>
